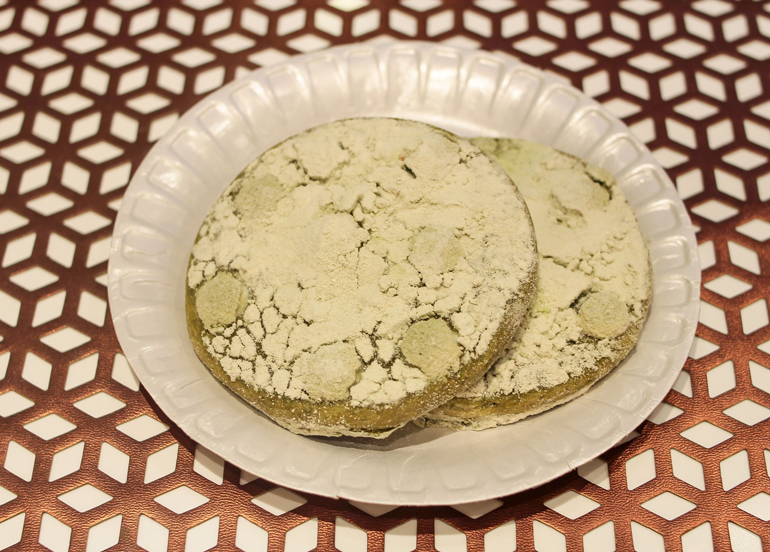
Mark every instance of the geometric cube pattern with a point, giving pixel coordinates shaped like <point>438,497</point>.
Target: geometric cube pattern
<point>87,461</point>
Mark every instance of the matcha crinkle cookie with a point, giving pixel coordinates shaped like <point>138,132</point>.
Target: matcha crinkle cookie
<point>359,274</point>
<point>594,290</point>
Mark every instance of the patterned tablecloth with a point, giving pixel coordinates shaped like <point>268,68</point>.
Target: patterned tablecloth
<point>90,463</point>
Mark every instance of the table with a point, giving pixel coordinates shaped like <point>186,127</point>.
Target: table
<point>90,463</point>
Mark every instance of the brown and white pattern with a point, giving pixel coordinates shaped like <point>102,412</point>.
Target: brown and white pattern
<point>88,462</point>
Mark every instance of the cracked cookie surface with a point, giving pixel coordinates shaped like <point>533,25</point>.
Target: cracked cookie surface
<point>359,274</point>
<point>594,290</point>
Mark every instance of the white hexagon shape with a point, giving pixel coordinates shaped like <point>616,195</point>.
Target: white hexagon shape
<point>152,536</point>
<point>148,103</point>
<point>728,286</point>
<point>571,504</point>
<point>203,536</point>
<point>348,537</point>
<point>302,538</point>
<point>402,538</point>
<point>735,470</point>
<point>84,498</point>
<point>688,469</point>
<point>699,538</point>
<point>514,24</point>
<point>123,374</point>
<point>748,412</point>
<point>684,48</point>
<point>36,371</point>
<point>19,461</point>
<point>181,500</point>
<point>54,534</point>
<point>447,538</point>
<point>672,86</point>
<point>65,339</point>
<point>85,127</point>
<point>758,506</point>
<point>12,403</point>
<point>713,317</point>
<point>105,534</point>
<point>98,253</point>
<point>702,347</point>
<point>743,257</point>
<point>743,539</point>
<point>668,157</point>
<point>720,134</point>
<point>209,80</point>
<point>475,510</point>
<point>640,469</point>
<point>233,43</point>
<point>706,434</point>
<point>19,250</point>
<point>84,43</point>
<point>548,538</point>
<point>34,278</point>
<point>158,42</point>
<point>760,376</point>
<point>668,505</point>
<point>680,133</point>
<point>366,22</point>
<point>308,43</point>
<point>440,23</point>
<point>193,57</point>
<point>754,316</point>
<point>600,539</point>
<point>161,463</point>
<point>92,308</point>
<point>477,23</point>
<point>721,379</point>
<point>100,152</point>
<point>21,152</point>
<point>209,465</point>
<point>88,222</point>
<point>142,428</point>
<point>745,159</point>
<point>66,461</point>
<point>574,61</point>
<point>535,46</point>
<point>37,176</point>
<point>99,404</point>
<point>49,427</point>
<point>10,307</point>
<point>756,133</point>
<point>11,529</point>
<point>756,229</point>
<point>250,537</point>
<point>501,538</point>
<point>268,57</point>
<point>279,501</point>
<point>696,109</point>
<point>81,371</point>
<point>683,384</point>
<point>597,472</point>
<point>49,204</point>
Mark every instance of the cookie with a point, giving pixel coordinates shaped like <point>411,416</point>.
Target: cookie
<point>359,274</point>
<point>594,290</point>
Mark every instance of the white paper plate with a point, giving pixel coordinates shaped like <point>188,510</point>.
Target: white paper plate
<point>470,93</point>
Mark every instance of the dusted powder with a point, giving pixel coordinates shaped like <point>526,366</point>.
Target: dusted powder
<point>361,261</point>
<point>594,288</point>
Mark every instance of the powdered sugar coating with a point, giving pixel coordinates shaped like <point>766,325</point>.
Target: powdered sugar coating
<point>352,239</point>
<point>594,289</point>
